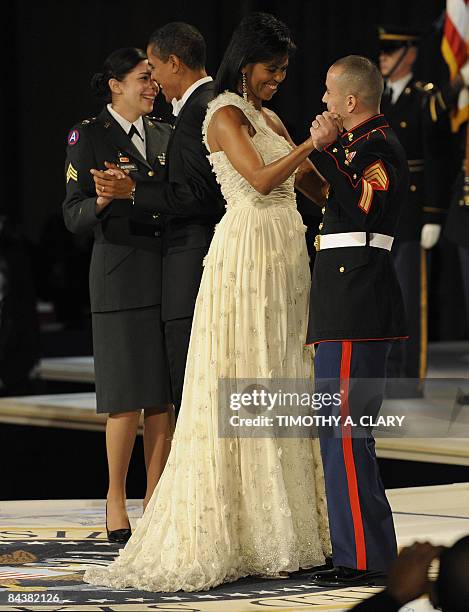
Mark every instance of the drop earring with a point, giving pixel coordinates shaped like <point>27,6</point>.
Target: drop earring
<point>245,87</point>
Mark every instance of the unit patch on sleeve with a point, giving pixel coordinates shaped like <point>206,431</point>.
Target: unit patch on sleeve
<point>73,137</point>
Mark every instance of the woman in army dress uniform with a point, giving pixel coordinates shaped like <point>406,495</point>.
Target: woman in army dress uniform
<point>125,273</point>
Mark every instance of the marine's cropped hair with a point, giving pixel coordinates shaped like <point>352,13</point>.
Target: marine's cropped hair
<point>361,77</point>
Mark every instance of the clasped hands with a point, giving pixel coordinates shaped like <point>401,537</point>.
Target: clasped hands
<point>111,184</point>
<point>325,128</point>
<point>114,183</point>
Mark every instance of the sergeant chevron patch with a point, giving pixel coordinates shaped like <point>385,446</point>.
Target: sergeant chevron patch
<point>72,173</point>
<point>377,176</point>
<point>366,197</point>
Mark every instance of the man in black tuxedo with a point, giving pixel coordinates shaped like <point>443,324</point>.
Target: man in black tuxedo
<point>189,198</point>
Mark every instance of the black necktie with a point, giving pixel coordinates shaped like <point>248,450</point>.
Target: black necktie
<point>387,96</point>
<point>133,130</point>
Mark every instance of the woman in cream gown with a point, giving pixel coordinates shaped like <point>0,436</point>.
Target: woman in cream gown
<point>225,508</point>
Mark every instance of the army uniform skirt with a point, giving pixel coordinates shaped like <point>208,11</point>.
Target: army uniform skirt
<point>131,369</point>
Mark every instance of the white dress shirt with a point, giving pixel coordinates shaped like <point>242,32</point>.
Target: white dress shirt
<point>178,104</point>
<point>140,143</point>
<point>397,87</point>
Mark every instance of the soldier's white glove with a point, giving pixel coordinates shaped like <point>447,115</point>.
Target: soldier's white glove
<point>465,73</point>
<point>430,234</point>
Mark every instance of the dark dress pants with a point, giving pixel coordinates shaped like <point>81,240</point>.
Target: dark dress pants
<point>360,518</point>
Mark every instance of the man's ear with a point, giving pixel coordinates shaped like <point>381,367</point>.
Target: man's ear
<point>351,103</point>
<point>175,62</point>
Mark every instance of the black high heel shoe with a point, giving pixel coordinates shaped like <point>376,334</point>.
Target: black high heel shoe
<point>118,536</point>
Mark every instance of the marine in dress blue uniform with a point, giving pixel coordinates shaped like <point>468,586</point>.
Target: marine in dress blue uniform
<point>356,312</point>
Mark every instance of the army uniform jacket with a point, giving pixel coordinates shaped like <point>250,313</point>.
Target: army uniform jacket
<point>191,201</point>
<point>443,102</point>
<point>355,294</point>
<point>423,135</point>
<point>125,270</point>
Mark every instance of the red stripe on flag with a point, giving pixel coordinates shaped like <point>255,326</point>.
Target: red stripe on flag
<point>360,545</point>
<point>456,42</point>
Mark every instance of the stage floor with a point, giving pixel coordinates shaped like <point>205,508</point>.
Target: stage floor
<point>44,546</point>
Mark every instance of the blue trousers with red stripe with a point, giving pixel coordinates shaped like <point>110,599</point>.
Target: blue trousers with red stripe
<point>360,518</point>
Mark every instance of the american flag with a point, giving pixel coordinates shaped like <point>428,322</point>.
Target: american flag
<point>454,47</point>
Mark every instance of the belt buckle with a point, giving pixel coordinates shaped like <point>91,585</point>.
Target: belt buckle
<point>317,242</point>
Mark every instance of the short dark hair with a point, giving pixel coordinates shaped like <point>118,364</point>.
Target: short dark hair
<point>363,78</point>
<point>452,585</point>
<point>180,39</point>
<point>260,37</point>
<point>116,66</point>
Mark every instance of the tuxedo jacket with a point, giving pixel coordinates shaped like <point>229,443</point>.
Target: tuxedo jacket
<point>126,262</point>
<point>355,294</point>
<point>191,202</point>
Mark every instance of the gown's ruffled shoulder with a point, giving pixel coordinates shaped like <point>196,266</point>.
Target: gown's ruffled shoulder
<point>228,98</point>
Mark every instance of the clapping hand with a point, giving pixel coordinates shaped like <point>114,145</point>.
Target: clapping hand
<point>325,129</point>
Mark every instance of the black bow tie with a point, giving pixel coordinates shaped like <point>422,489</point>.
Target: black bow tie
<point>133,130</point>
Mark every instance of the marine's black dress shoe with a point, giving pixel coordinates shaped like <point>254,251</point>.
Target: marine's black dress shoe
<point>118,536</point>
<point>347,577</point>
<point>314,570</point>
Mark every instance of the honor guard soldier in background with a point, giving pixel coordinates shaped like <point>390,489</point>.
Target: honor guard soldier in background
<point>413,110</point>
<point>356,311</point>
<point>457,224</point>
